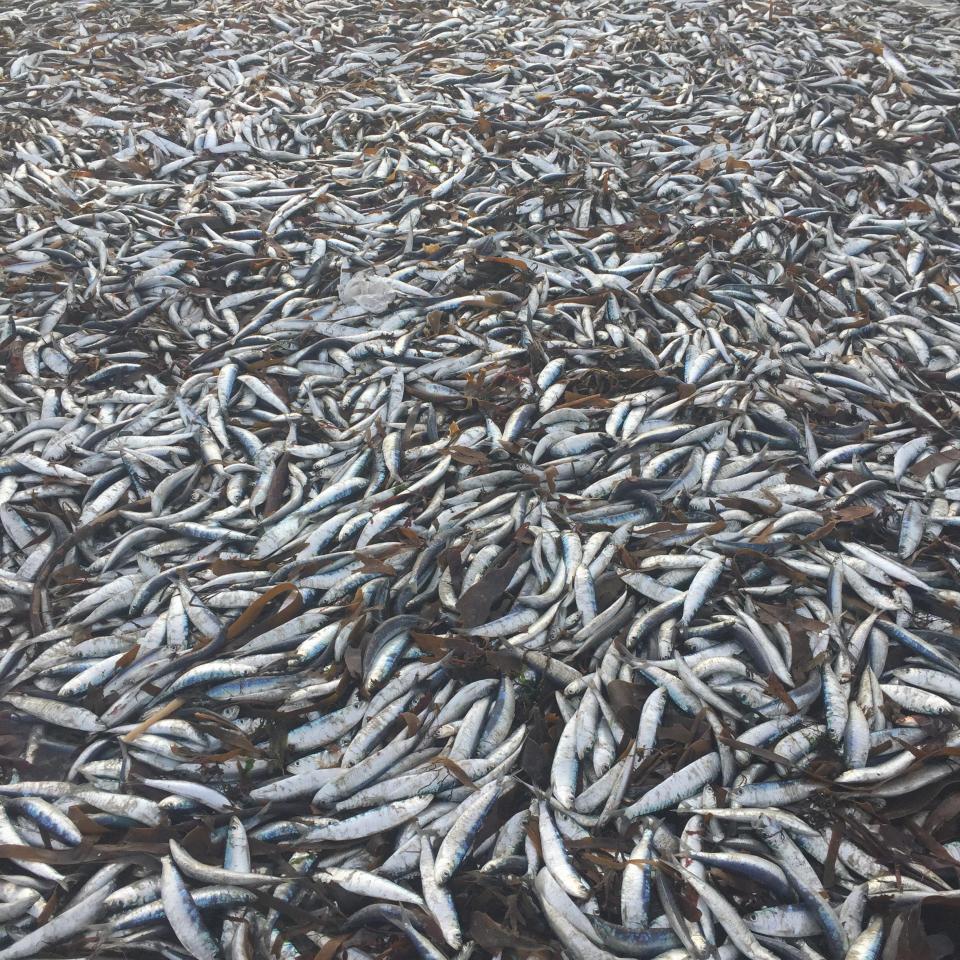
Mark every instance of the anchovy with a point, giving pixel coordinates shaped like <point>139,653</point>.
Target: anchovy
<point>477,453</point>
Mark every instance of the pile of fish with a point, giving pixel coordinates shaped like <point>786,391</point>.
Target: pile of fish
<point>478,480</point>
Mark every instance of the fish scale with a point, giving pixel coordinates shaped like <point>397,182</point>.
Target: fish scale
<point>502,453</point>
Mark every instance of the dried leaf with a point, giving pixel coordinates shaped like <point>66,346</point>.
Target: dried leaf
<point>476,603</point>
<point>854,512</point>
<point>451,766</point>
<point>353,654</point>
<point>468,456</point>
<point>733,164</point>
<point>278,483</point>
<point>129,656</point>
<point>172,707</point>
<point>907,939</point>
<point>495,937</point>
<point>626,699</point>
<point>536,753</point>
<point>252,614</point>
<point>331,948</point>
<point>927,465</point>
<point>374,565</point>
<point>412,721</point>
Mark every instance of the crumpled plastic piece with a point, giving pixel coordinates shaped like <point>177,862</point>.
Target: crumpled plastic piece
<point>368,290</point>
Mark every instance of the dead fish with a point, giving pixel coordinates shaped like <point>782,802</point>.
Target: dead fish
<point>516,444</point>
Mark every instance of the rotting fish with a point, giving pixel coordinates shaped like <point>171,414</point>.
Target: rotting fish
<point>464,456</point>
